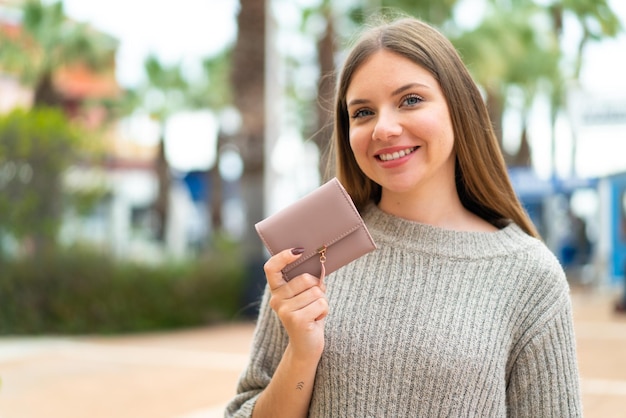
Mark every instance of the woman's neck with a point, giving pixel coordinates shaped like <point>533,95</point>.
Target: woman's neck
<point>441,209</point>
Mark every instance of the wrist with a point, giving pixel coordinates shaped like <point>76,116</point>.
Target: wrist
<point>303,357</point>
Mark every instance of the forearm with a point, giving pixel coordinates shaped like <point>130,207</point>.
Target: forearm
<point>290,390</point>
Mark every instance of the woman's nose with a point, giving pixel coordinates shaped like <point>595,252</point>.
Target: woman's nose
<point>387,126</point>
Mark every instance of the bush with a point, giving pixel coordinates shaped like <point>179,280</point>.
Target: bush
<point>36,147</point>
<point>80,291</point>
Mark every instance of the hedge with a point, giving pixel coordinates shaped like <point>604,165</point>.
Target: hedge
<point>85,292</point>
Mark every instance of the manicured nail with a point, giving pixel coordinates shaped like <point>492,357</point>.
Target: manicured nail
<point>297,250</point>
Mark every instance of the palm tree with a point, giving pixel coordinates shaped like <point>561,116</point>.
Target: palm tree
<point>216,94</point>
<point>48,42</point>
<point>164,94</point>
<point>509,49</point>
<point>504,52</point>
<point>326,49</point>
<point>597,21</point>
<point>595,18</point>
<point>248,81</point>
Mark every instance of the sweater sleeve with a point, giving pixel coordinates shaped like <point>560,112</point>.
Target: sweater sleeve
<point>268,345</point>
<point>544,380</point>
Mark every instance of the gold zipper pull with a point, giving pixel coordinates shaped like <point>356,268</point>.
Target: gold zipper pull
<point>322,252</point>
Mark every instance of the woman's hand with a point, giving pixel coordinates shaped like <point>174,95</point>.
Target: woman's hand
<point>300,303</point>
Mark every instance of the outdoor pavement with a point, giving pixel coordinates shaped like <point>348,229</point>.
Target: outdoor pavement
<point>193,373</point>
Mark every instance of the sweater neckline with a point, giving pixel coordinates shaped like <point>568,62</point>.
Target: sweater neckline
<point>391,230</point>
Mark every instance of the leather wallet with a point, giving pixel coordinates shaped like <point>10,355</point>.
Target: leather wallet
<point>326,224</point>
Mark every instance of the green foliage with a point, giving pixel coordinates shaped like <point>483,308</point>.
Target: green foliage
<point>215,90</point>
<point>81,291</point>
<point>166,92</point>
<point>35,149</point>
<point>168,89</point>
<point>49,41</point>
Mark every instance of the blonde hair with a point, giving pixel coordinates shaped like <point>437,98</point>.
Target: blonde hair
<point>482,180</point>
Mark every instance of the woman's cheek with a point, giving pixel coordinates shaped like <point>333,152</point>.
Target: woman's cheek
<point>358,140</point>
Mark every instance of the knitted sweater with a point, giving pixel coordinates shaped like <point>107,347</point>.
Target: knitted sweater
<point>436,323</point>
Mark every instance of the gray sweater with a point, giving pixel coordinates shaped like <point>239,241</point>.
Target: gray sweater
<point>436,323</point>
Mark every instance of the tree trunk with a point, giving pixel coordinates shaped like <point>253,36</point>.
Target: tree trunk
<point>325,91</point>
<point>522,157</point>
<point>248,80</point>
<point>215,186</point>
<point>45,93</point>
<point>161,206</point>
<point>495,107</point>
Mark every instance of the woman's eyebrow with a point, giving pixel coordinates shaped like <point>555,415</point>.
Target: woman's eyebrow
<point>407,87</point>
<point>357,102</point>
<point>397,91</point>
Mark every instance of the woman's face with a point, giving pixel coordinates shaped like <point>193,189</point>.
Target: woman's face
<point>400,128</point>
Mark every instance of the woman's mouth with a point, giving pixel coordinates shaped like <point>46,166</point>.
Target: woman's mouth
<point>396,155</point>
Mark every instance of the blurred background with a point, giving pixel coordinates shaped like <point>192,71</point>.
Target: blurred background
<point>140,141</point>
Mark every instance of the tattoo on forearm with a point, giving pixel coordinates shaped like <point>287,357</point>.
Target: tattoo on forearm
<point>300,385</point>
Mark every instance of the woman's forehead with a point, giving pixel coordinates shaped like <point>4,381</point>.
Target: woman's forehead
<point>389,71</point>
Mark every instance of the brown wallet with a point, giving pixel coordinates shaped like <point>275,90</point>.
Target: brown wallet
<point>326,224</point>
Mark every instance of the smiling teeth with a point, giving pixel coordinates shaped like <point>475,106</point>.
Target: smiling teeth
<point>397,154</point>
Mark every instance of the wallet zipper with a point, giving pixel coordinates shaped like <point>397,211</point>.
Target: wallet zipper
<point>322,252</point>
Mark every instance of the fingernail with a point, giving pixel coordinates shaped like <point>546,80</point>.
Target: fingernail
<point>297,250</point>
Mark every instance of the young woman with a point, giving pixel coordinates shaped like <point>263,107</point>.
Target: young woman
<point>461,311</point>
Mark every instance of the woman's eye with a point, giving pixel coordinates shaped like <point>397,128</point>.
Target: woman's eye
<point>361,113</point>
<point>412,100</point>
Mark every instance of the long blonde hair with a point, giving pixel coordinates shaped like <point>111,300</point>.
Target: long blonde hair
<point>482,180</point>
